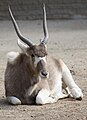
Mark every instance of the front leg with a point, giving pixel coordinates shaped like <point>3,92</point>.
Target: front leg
<point>51,96</point>
<point>44,97</point>
<point>57,92</point>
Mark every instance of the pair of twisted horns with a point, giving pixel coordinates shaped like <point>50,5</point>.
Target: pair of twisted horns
<point>28,41</point>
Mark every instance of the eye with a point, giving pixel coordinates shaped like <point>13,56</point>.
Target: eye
<point>32,56</point>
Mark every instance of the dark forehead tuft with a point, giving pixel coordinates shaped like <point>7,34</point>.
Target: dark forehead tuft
<point>39,50</point>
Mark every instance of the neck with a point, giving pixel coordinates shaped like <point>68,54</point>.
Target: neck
<point>33,72</point>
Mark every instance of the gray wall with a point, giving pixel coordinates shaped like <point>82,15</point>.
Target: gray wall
<point>56,9</point>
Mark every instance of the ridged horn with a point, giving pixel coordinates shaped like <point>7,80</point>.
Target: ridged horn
<point>25,40</point>
<point>45,39</point>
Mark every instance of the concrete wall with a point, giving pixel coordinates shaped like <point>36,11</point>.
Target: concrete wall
<point>32,9</point>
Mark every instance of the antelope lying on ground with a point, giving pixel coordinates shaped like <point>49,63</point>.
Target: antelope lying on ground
<point>32,76</point>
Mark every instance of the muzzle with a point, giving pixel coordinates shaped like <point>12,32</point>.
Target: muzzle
<point>44,74</point>
<point>42,69</point>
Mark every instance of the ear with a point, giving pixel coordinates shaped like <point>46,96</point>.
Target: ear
<point>22,45</point>
<point>44,44</point>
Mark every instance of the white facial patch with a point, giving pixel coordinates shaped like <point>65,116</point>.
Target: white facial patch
<point>37,60</point>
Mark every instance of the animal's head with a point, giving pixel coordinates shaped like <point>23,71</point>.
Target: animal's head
<point>37,53</point>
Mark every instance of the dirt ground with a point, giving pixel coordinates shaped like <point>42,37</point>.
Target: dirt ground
<point>67,40</point>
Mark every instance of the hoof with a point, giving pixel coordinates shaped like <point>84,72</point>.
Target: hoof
<point>80,98</point>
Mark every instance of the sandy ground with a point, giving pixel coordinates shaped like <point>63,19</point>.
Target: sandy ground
<point>68,40</point>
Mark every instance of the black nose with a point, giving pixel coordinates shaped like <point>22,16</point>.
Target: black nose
<point>44,73</point>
